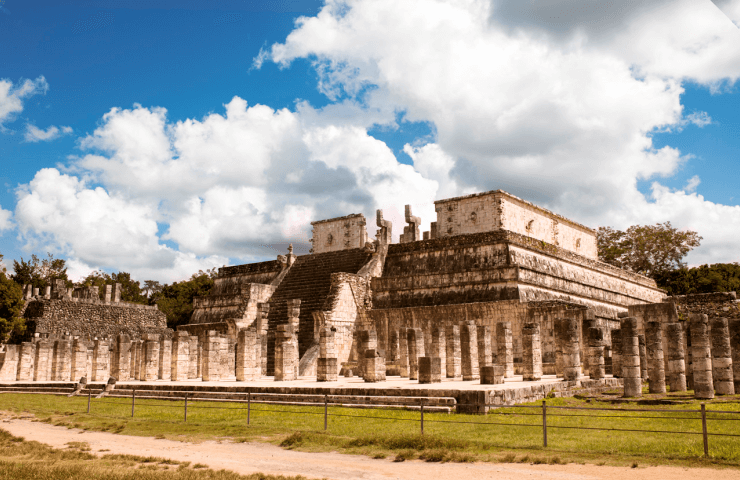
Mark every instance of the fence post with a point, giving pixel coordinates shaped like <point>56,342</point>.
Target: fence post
<point>704,429</point>
<point>249,406</point>
<point>326,412</point>
<point>186,407</point>
<point>544,422</point>
<point>422,416</point>
<point>89,396</point>
<point>133,401</point>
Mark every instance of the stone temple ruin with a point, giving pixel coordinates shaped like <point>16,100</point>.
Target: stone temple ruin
<point>497,288</point>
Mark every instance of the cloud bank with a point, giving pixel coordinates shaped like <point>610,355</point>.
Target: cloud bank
<point>12,97</point>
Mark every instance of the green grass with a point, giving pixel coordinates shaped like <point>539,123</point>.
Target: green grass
<point>22,460</point>
<point>395,434</point>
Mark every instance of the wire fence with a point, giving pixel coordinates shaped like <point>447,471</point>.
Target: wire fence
<point>497,413</point>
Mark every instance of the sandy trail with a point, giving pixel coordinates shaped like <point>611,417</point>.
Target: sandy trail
<point>246,458</point>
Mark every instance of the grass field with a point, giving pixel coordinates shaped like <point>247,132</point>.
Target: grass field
<point>510,434</point>
<point>22,460</point>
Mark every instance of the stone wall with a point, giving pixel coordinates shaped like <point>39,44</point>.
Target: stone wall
<point>342,233</point>
<point>489,211</point>
<point>722,304</point>
<point>92,318</point>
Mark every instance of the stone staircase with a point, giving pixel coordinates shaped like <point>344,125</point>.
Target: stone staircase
<point>308,280</point>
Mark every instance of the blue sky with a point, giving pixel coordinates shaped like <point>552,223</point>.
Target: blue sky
<point>366,105</point>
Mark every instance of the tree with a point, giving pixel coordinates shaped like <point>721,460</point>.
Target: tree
<point>151,287</point>
<point>719,277</point>
<point>176,300</point>
<point>39,273</point>
<point>130,289</point>
<point>651,250</point>
<point>11,305</point>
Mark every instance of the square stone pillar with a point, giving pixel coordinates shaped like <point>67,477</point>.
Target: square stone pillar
<point>617,353</point>
<point>585,358</point>
<point>79,360</point>
<point>229,368</point>
<point>121,368</point>
<point>42,362</point>
<point>734,328</point>
<point>415,338</point>
<point>368,341</point>
<point>654,354</point>
<point>26,357</point>
<point>285,354</point>
<point>151,357</point>
<point>62,360</point>
<point>326,367</point>
<point>430,370</point>
<point>676,357</point>
<point>701,356</point>
<point>438,347</point>
<point>505,348</point>
<point>596,346</point>
<point>643,357</point>
<point>180,356</point>
<point>403,352</point>
<point>9,368</point>
<point>469,351</point>
<point>485,354</point>
<point>531,352</point>
<point>165,359</point>
<point>393,354</point>
<point>631,370</point>
<point>263,309</point>
<point>135,359</point>
<point>374,366</point>
<point>194,349</point>
<point>100,365</point>
<point>571,347</point>
<point>210,366</point>
<point>248,350</point>
<point>492,375</point>
<point>453,354</point>
<point>722,357</point>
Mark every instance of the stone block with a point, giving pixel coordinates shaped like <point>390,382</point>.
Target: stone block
<point>492,375</point>
<point>469,351</point>
<point>26,357</point>
<point>79,359</point>
<point>415,338</point>
<point>43,360</point>
<point>617,353</point>
<point>676,366</point>
<point>374,366</point>
<point>430,370</point>
<point>722,357</point>
<point>100,361</point>
<point>631,370</point>
<point>180,361</point>
<point>9,360</point>
<point>505,348</point>
<point>453,352</point>
<point>654,354</point>
<point>165,359</point>
<point>531,353</point>
<point>327,370</point>
<point>248,350</point>
<point>701,357</point>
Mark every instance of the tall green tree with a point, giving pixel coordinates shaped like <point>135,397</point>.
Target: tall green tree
<point>176,300</point>
<point>651,250</point>
<point>39,272</point>
<point>11,305</point>
<point>719,277</point>
<point>130,289</point>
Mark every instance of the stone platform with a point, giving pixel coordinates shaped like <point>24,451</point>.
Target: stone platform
<point>395,392</point>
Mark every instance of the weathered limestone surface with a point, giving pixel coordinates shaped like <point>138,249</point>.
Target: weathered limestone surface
<point>617,353</point>
<point>62,360</point>
<point>26,356</point>
<point>676,357</point>
<point>701,356</point>
<point>505,348</point>
<point>121,367</point>
<point>416,350</point>
<point>485,354</point>
<point>631,370</point>
<point>721,357</point>
<point>194,357</point>
<point>9,368</point>
<point>654,354</point>
<point>439,347</point>
<point>492,375</point>
<point>374,366</point>
<point>340,233</point>
<point>180,356</point>
<point>453,354</point>
<point>643,356</point>
<point>568,335</point>
<point>596,344</point>
<point>151,357</point>
<point>430,370</point>
<point>248,349</point>
<point>286,354</point>
<point>101,361</point>
<point>326,369</point>
<point>734,328</point>
<point>469,351</point>
<point>403,352</point>
<point>165,359</point>
<point>79,359</point>
<point>532,359</point>
<point>43,360</point>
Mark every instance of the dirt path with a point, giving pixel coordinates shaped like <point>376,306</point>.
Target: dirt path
<point>248,458</point>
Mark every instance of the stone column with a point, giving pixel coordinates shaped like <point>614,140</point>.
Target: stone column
<point>79,359</point>
<point>689,363</point>
<point>374,365</point>
<point>469,351</point>
<point>485,354</point>
<point>492,375</point>
<point>135,359</point>
<point>248,361</point>
<point>453,354</point>
<point>734,328</point>
<point>25,362</point>
<point>284,354</point>
<point>439,348</point>
<point>596,367</point>
<point>722,357</point>
<point>531,352</point>
<point>676,366</point>
<point>585,326</point>
<point>100,365</point>
<point>393,346</point>
<point>121,367</point>
<point>701,356</point>
<point>9,368</point>
<point>326,366</point>
<point>368,341</point>
<point>180,356</point>
<point>571,345</point>
<point>165,358</point>
<point>62,360</point>
<point>415,338</point>
<point>617,353</point>
<point>505,348</point>
<point>654,354</point>
<point>42,362</point>
<point>403,352</point>
<point>643,357</point>
<point>193,357</point>
<point>263,310</point>
<point>229,372</point>
<point>151,358</point>
<point>631,358</point>
<point>430,370</point>
<point>210,366</point>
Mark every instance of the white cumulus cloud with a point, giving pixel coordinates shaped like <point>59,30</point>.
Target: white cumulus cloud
<point>35,134</point>
<point>12,96</point>
<point>5,220</point>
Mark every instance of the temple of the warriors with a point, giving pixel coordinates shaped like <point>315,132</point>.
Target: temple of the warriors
<point>497,290</point>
